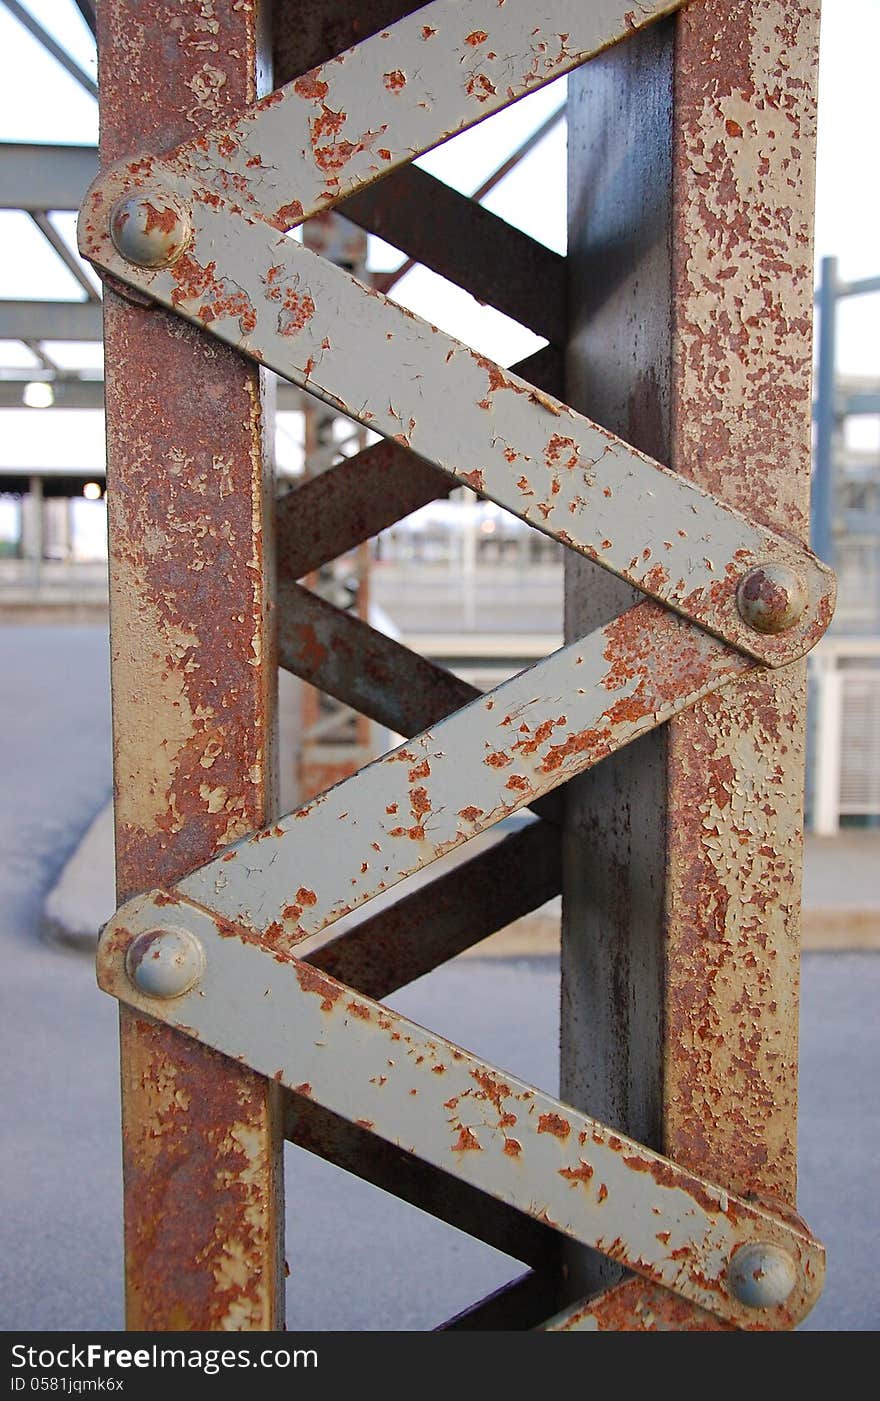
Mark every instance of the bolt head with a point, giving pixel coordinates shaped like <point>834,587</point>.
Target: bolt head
<point>761,1275</point>
<point>150,229</point>
<point>771,598</point>
<point>165,962</point>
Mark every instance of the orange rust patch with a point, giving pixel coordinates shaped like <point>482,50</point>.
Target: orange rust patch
<point>474,479</point>
<point>471,814</point>
<point>491,1089</point>
<point>311,86</point>
<point>466,1143</point>
<point>498,760</point>
<point>394,81</point>
<point>561,452</point>
<point>512,1147</point>
<point>517,781</point>
<point>555,1124</point>
<point>310,980</point>
<point>288,214</point>
<point>163,219</point>
<point>582,1173</point>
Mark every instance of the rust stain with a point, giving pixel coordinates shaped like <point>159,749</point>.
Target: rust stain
<point>555,1124</point>
<point>743,288</point>
<point>467,1142</point>
<point>192,771</point>
<point>582,1173</point>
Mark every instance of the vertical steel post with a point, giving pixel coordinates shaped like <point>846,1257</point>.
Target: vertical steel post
<point>690,241</point>
<point>822,533</point>
<point>193,673</point>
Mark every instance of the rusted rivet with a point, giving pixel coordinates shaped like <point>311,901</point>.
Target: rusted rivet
<point>771,598</point>
<point>165,962</point>
<point>761,1275</point>
<point>151,229</point>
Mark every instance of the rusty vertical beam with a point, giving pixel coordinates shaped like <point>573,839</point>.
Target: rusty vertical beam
<point>742,239</point>
<point>691,186</point>
<point>193,674</point>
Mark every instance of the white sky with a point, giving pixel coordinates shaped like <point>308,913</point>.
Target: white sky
<point>39,102</point>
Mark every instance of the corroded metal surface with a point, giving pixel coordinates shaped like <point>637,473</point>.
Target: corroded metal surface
<point>316,325</point>
<point>744,152</point>
<point>348,659</point>
<point>415,1089</point>
<point>453,781</point>
<point>633,1306</point>
<point>680,951</point>
<point>193,715</point>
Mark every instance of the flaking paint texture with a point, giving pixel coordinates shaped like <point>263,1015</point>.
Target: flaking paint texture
<point>742,248</point>
<point>193,685</point>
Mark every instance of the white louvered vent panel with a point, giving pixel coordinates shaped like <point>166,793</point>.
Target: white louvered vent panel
<point>860,750</point>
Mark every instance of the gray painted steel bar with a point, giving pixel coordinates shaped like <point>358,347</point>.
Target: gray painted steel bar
<point>394,96</point>
<point>417,1090</point>
<point>314,324</point>
<point>448,783</point>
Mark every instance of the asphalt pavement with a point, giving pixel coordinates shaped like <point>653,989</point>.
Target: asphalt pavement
<point>358,1259</point>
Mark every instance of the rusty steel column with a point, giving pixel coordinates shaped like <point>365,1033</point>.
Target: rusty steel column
<point>691,191</point>
<point>193,673</point>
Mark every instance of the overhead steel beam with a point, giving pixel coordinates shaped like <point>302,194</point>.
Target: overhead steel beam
<point>50,321</point>
<point>35,177</point>
<point>69,259</point>
<point>51,45</point>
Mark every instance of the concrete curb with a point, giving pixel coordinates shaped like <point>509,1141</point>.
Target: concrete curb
<point>83,897</point>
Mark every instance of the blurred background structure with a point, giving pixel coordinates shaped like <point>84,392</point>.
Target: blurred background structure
<point>459,580</point>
